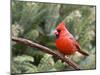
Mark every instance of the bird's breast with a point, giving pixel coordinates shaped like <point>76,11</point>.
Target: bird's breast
<point>65,45</point>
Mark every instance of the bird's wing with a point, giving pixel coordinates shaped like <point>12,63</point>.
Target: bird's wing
<point>75,43</point>
<point>79,48</point>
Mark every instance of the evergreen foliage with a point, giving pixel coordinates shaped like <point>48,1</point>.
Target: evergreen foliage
<point>36,21</point>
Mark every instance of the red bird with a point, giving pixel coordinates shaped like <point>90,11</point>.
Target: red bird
<point>65,42</point>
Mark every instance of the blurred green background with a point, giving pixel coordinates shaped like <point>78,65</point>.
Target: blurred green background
<point>36,21</point>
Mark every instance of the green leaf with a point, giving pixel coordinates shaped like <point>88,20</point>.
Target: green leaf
<point>89,62</point>
<point>33,34</point>
<point>46,63</point>
<point>23,58</point>
<point>59,65</point>
<point>21,64</point>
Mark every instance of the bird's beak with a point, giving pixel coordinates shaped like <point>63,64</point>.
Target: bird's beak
<point>55,32</point>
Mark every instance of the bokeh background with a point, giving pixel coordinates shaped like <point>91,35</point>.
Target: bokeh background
<point>36,21</point>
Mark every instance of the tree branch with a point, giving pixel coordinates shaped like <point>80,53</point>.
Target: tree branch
<point>46,50</point>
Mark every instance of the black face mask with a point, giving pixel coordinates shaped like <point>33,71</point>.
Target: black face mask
<point>57,35</point>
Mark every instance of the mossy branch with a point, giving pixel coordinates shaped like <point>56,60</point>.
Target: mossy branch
<point>46,50</point>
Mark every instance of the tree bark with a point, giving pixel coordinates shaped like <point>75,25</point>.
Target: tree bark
<point>46,50</point>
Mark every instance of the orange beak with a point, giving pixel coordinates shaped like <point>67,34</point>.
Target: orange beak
<point>55,32</point>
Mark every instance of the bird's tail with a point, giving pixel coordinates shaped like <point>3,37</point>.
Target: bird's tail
<point>83,52</point>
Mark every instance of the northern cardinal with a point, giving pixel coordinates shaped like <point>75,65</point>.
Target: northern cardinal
<point>65,42</point>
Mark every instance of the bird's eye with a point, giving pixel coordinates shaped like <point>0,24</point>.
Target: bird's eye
<point>58,30</point>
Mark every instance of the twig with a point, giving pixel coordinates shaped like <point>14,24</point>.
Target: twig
<point>46,50</point>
